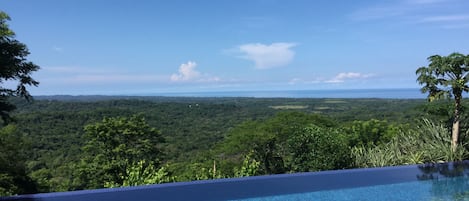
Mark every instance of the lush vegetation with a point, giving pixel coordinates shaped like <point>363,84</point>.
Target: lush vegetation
<point>69,144</point>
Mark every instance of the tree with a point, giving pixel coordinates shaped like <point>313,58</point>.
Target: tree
<point>115,145</point>
<point>371,132</point>
<point>446,77</point>
<point>252,136</point>
<point>14,67</point>
<point>268,139</point>
<point>316,148</point>
<point>13,178</point>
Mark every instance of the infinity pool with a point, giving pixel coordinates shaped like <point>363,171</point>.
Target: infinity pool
<point>438,190</point>
<point>444,181</point>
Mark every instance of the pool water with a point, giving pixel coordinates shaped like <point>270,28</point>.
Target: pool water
<point>447,189</point>
<point>433,182</point>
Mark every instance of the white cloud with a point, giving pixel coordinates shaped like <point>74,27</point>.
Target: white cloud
<point>342,77</point>
<point>187,73</point>
<point>268,56</point>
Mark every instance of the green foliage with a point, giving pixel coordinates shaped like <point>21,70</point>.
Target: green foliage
<point>13,67</point>
<point>54,127</point>
<point>285,124</point>
<point>371,132</point>
<point>282,144</point>
<point>317,148</point>
<point>203,166</point>
<point>191,171</point>
<point>268,139</point>
<point>142,173</point>
<point>442,111</point>
<point>250,167</point>
<point>13,178</point>
<point>214,169</point>
<point>114,145</point>
<point>446,77</point>
<point>253,136</point>
<point>428,143</point>
<point>436,143</point>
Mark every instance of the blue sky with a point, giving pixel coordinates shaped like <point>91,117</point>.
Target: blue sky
<point>143,47</point>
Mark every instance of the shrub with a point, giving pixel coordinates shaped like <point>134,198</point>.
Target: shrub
<point>428,143</point>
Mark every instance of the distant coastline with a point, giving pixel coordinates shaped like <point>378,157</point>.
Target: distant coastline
<point>406,93</point>
<point>332,93</point>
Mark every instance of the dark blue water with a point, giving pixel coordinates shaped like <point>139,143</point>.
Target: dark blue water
<point>433,181</point>
<point>345,93</point>
<point>447,189</point>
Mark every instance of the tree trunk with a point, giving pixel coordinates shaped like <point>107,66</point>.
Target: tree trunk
<point>454,140</point>
<point>455,130</point>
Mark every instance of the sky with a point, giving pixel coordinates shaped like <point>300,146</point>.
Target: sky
<point>125,47</point>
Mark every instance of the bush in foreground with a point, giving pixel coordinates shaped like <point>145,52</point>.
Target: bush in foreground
<point>428,143</point>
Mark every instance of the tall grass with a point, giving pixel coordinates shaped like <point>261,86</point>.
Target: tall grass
<point>427,143</point>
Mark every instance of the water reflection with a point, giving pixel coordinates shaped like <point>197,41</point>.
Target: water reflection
<point>450,181</point>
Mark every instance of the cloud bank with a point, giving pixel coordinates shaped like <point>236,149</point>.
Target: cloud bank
<point>268,56</point>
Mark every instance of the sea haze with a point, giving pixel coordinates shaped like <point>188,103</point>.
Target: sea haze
<point>336,93</point>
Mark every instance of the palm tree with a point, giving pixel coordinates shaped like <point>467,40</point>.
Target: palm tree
<point>446,77</point>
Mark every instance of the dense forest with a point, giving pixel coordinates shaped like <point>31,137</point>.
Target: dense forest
<point>67,143</point>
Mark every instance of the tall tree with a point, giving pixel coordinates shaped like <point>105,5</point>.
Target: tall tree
<point>116,144</point>
<point>14,68</point>
<point>446,77</point>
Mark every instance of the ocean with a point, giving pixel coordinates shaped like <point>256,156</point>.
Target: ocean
<point>342,93</point>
